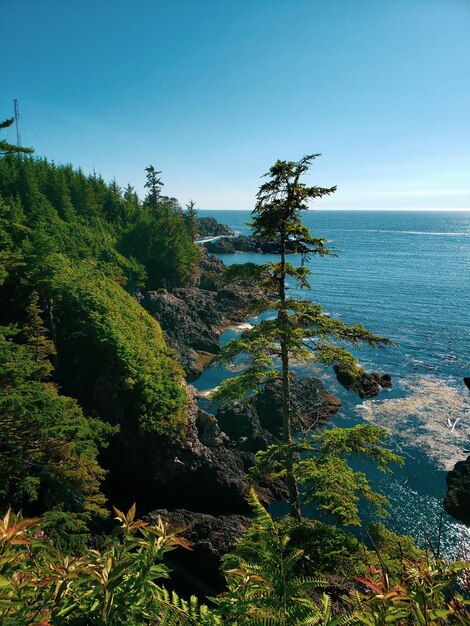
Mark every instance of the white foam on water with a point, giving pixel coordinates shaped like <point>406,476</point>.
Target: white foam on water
<point>434,416</point>
<point>206,393</point>
<point>241,327</point>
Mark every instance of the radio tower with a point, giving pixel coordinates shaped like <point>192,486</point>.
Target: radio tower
<point>17,120</point>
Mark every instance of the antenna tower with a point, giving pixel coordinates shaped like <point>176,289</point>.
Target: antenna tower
<point>17,120</point>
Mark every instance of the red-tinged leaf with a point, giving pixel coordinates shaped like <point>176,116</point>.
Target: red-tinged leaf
<point>139,524</point>
<point>120,516</point>
<point>20,542</point>
<point>131,513</point>
<point>370,584</point>
<point>180,541</point>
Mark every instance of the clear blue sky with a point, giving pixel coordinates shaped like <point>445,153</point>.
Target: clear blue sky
<point>212,92</point>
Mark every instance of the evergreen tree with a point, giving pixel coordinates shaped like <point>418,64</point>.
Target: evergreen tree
<point>191,220</point>
<point>301,329</point>
<point>154,185</point>
<point>35,333</point>
<point>8,148</point>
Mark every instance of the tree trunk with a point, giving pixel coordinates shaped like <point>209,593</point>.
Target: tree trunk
<point>283,318</point>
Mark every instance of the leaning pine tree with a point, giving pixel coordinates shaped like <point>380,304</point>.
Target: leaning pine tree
<point>300,330</point>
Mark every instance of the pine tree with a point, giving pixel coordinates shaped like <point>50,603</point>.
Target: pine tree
<point>191,220</point>
<point>301,329</point>
<point>154,185</point>
<point>8,148</point>
<point>35,333</point>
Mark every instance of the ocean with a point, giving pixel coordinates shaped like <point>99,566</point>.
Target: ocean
<point>404,275</point>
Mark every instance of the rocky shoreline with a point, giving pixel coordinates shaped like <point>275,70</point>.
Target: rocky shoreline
<point>201,480</point>
<point>194,317</point>
<point>210,227</point>
<point>250,243</point>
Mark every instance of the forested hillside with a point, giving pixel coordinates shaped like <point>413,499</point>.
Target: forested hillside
<point>74,253</point>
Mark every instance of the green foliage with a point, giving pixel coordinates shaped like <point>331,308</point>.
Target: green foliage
<point>269,584</point>
<point>131,353</point>
<point>389,549</point>
<point>8,148</point>
<point>122,583</point>
<point>161,243</point>
<point>324,472</point>
<point>117,586</point>
<point>70,320</point>
<point>263,585</point>
<point>327,548</point>
<point>62,230</point>
<point>154,185</point>
<point>87,218</point>
<point>48,448</point>
<point>420,597</point>
<point>191,220</point>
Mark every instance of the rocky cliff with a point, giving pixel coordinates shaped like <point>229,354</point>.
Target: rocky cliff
<point>193,318</point>
<point>210,227</point>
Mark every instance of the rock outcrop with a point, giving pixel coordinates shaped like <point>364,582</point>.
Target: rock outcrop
<point>457,498</point>
<point>361,382</point>
<point>193,318</point>
<point>240,420</point>
<point>210,537</point>
<point>204,471</point>
<point>243,243</point>
<point>466,380</point>
<point>256,422</point>
<point>311,404</point>
<point>210,227</point>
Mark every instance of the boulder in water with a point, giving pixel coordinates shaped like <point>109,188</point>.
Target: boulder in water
<point>361,382</point>
<point>457,498</point>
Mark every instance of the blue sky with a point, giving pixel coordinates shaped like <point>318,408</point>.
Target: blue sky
<point>212,92</point>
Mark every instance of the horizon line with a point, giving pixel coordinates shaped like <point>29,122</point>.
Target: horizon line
<point>372,210</point>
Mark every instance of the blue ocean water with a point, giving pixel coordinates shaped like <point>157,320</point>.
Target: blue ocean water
<point>404,275</point>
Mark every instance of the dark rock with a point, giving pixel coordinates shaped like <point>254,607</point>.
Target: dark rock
<point>194,318</point>
<point>361,382</point>
<point>457,498</point>
<point>220,246</point>
<point>240,421</point>
<point>312,406</point>
<point>466,380</point>
<point>209,431</point>
<point>256,422</point>
<point>244,243</point>
<point>180,473</point>
<point>210,227</point>
<point>193,340</point>
<point>210,538</point>
<point>211,271</point>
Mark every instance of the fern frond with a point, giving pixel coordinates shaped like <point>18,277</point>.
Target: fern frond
<point>176,611</point>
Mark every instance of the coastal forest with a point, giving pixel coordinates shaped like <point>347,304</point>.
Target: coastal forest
<point>125,501</point>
